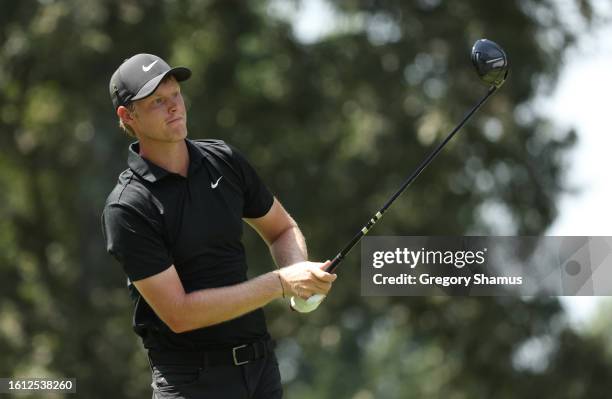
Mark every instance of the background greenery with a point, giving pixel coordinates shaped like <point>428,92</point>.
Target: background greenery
<point>332,126</point>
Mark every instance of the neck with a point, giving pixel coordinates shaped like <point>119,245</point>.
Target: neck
<point>174,157</point>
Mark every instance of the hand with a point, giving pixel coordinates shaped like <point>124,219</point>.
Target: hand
<point>305,279</point>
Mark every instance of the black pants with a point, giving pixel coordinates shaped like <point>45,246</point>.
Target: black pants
<point>257,379</point>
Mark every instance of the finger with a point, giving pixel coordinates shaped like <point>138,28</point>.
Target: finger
<point>316,285</point>
<point>305,294</point>
<point>302,291</point>
<point>321,288</point>
<point>324,265</point>
<point>323,276</point>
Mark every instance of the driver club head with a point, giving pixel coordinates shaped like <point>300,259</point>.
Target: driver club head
<point>491,62</point>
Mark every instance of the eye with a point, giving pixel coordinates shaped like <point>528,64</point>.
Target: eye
<point>158,101</point>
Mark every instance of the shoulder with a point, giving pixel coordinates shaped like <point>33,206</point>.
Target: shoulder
<point>214,147</point>
<point>220,149</point>
<point>133,194</point>
<point>220,153</point>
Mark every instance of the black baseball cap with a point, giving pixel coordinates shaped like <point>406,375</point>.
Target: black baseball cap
<point>139,76</point>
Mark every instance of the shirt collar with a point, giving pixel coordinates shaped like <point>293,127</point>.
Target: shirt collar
<point>151,172</point>
<point>196,156</point>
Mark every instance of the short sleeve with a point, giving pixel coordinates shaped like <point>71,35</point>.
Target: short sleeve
<point>132,239</point>
<point>258,198</point>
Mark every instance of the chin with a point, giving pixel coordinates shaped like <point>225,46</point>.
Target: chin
<point>178,133</point>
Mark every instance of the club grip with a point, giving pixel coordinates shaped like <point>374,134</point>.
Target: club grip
<point>332,266</point>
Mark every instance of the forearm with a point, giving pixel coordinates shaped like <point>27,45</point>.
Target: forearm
<point>212,306</point>
<point>289,247</point>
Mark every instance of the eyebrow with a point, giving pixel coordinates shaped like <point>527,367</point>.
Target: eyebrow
<point>178,89</point>
<point>155,95</point>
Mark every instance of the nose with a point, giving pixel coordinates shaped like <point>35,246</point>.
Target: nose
<point>172,105</point>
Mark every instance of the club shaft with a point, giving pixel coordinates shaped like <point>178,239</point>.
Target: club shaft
<point>364,230</point>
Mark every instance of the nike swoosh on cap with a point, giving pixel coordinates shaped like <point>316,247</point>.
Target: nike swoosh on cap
<point>148,67</point>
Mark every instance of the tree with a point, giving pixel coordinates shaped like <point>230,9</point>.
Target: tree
<point>332,126</point>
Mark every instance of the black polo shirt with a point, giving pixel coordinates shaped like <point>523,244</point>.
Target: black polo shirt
<point>154,219</point>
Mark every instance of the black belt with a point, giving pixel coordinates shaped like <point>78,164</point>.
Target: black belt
<point>236,356</point>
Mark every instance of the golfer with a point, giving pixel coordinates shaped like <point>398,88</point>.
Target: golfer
<point>174,221</point>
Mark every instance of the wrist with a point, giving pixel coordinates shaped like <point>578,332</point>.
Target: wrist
<point>281,292</point>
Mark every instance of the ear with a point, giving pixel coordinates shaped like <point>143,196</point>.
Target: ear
<point>125,115</point>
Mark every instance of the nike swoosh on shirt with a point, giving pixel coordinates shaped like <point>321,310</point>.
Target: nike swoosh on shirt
<point>215,184</point>
<point>148,67</point>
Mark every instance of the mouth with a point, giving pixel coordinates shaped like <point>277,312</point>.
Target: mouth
<point>180,118</point>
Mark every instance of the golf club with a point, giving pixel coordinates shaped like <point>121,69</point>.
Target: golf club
<point>492,66</point>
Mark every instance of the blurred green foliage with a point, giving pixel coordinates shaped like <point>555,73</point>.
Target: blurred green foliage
<point>332,126</point>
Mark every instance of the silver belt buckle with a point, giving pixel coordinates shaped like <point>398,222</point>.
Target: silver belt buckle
<point>236,362</point>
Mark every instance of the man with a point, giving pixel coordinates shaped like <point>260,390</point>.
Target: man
<point>174,222</point>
